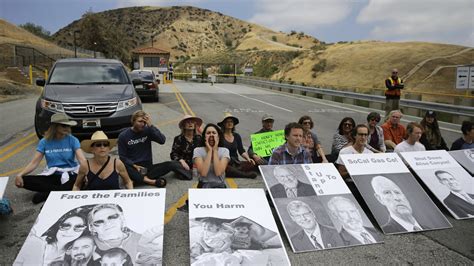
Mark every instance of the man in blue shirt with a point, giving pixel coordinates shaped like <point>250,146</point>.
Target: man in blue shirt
<point>292,151</point>
<point>134,147</point>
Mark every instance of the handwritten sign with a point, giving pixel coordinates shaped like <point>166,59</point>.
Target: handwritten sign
<point>264,143</point>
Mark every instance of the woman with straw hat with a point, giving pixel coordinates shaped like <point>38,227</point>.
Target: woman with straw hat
<point>62,151</point>
<point>185,143</point>
<point>99,173</point>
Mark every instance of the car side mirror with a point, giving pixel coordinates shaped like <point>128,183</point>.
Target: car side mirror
<point>136,82</point>
<point>40,82</point>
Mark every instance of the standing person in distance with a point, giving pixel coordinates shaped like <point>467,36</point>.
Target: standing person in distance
<point>61,149</point>
<point>311,141</point>
<point>267,126</point>
<point>392,95</point>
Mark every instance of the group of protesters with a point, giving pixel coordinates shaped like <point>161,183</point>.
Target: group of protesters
<point>212,153</point>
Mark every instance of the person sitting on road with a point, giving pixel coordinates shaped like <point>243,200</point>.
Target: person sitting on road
<point>393,131</point>
<point>411,143</point>
<point>343,136</point>
<point>99,174</point>
<point>431,138</point>
<point>375,141</point>
<point>311,141</point>
<point>61,149</point>
<point>134,148</point>
<point>233,142</point>
<point>185,143</point>
<point>360,134</point>
<point>211,158</point>
<point>292,151</point>
<point>267,126</point>
<point>467,140</point>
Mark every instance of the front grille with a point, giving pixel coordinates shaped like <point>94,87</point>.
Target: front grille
<point>97,109</point>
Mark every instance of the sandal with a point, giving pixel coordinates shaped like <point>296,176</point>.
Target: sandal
<point>160,182</point>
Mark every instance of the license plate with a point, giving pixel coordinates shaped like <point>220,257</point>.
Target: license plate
<point>90,123</point>
<point>139,87</point>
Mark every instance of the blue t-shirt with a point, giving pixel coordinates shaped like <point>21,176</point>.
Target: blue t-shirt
<point>59,153</point>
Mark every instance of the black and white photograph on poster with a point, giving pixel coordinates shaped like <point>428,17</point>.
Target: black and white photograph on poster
<point>287,181</point>
<point>397,201</point>
<point>446,179</point>
<point>329,217</point>
<point>233,227</point>
<point>3,185</point>
<point>465,158</point>
<point>103,227</point>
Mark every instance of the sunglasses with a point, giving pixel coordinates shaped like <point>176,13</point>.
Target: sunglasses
<point>67,226</point>
<point>63,125</point>
<point>306,123</point>
<point>100,144</point>
<point>375,119</point>
<point>348,125</point>
<point>110,218</point>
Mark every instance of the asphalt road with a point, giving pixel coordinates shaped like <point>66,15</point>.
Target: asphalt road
<point>17,143</point>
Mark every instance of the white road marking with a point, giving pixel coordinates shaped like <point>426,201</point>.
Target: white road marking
<point>254,99</point>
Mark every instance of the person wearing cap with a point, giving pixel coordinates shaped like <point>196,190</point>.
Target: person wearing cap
<point>310,140</point>
<point>100,173</point>
<point>233,142</point>
<point>267,126</point>
<point>62,152</point>
<point>392,95</point>
<point>467,140</point>
<point>431,137</point>
<point>185,143</point>
<point>134,148</point>
<point>292,151</point>
<point>375,141</point>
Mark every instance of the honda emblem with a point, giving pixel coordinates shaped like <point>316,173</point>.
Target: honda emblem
<point>90,109</point>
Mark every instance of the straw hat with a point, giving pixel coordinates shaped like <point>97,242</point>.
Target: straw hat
<point>197,121</point>
<point>60,118</point>
<point>86,145</point>
<point>228,115</point>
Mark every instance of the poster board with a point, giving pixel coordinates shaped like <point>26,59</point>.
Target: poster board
<point>391,192</point>
<point>233,227</point>
<point>3,185</point>
<point>446,179</point>
<point>315,213</point>
<point>264,143</point>
<point>465,158</point>
<point>112,224</point>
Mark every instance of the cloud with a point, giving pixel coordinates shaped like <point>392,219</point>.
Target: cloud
<point>298,15</point>
<point>423,20</point>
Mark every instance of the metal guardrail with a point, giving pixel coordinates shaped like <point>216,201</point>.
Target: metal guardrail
<point>439,107</point>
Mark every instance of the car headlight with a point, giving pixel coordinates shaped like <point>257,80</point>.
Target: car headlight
<point>122,105</point>
<point>52,106</point>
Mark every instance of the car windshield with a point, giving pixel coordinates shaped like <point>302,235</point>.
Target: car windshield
<point>148,76</point>
<point>88,73</point>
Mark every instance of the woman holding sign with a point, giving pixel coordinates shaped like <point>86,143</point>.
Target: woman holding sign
<point>233,142</point>
<point>310,140</point>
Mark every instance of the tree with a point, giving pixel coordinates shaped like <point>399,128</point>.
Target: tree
<point>37,30</point>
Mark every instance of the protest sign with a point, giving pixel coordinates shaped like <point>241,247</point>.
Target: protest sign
<point>264,143</point>
<point>3,185</point>
<point>446,179</point>
<point>465,158</point>
<point>317,209</point>
<point>394,197</point>
<point>94,227</point>
<point>233,227</point>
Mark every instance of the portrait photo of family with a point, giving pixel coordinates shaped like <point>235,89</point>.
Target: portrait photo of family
<point>108,233</point>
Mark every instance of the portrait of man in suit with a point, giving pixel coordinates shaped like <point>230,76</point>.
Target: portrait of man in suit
<point>390,195</point>
<point>353,231</point>
<point>312,235</point>
<point>458,200</point>
<point>288,185</point>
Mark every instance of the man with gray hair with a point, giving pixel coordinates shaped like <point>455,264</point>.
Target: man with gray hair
<point>313,235</point>
<point>401,213</point>
<point>393,131</point>
<point>458,201</point>
<point>288,185</point>
<point>353,231</point>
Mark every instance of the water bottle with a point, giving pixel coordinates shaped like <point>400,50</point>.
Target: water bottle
<point>195,172</point>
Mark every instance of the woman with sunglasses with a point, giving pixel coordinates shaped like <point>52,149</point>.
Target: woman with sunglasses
<point>53,244</point>
<point>100,173</point>
<point>375,141</point>
<point>310,140</point>
<point>61,151</point>
<point>343,136</point>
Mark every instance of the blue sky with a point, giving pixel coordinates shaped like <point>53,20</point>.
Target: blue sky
<point>444,21</point>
